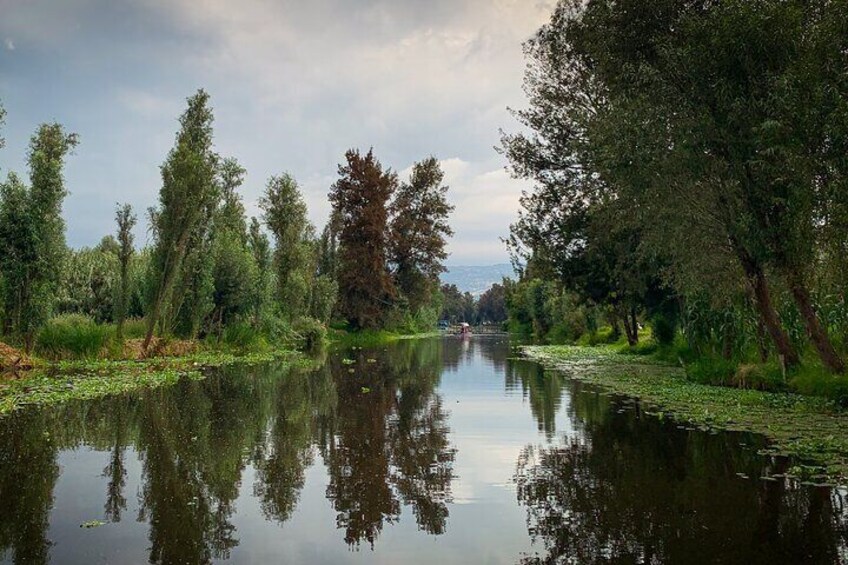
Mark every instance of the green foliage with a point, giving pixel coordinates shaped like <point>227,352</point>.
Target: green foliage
<point>815,381</point>
<point>126,220</point>
<point>188,195</point>
<point>243,337</point>
<point>284,212</point>
<point>311,335</point>
<point>90,284</point>
<point>32,233</point>
<point>72,336</point>
<point>664,329</point>
<point>418,233</point>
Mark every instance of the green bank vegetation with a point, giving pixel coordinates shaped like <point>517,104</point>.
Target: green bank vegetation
<point>689,180</point>
<point>811,429</point>
<point>211,278</point>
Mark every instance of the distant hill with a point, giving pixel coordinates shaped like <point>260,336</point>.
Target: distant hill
<point>476,279</point>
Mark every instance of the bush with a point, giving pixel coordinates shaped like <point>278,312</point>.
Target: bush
<point>759,377</point>
<point>72,336</point>
<point>816,381</point>
<point>242,336</point>
<point>134,328</point>
<point>712,371</point>
<point>664,329</point>
<point>310,333</point>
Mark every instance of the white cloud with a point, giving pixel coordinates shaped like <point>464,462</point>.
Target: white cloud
<point>10,44</point>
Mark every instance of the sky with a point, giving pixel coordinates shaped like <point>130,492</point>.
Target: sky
<point>294,84</point>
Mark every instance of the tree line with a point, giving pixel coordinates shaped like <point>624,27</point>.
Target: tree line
<point>209,271</point>
<point>689,168</point>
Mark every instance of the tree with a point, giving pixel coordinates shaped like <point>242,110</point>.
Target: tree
<point>126,221</point>
<point>188,190</point>
<point>456,305</point>
<point>284,212</point>
<point>260,247</point>
<point>359,198</point>
<point>418,232</point>
<point>32,233</point>
<point>491,307</point>
<point>234,267</point>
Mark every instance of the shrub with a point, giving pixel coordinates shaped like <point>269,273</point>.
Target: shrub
<point>712,371</point>
<point>759,377</point>
<point>311,334</point>
<point>242,336</point>
<point>134,328</point>
<point>816,381</point>
<point>664,329</point>
<point>72,336</point>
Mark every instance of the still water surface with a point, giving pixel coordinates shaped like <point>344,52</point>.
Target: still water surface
<point>435,451</point>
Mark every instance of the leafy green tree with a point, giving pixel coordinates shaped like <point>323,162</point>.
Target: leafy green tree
<point>126,220</point>
<point>234,270</point>
<point>32,233</point>
<point>491,307</point>
<point>188,191</point>
<point>456,305</point>
<point>360,203</point>
<point>89,284</point>
<point>418,232</point>
<point>260,247</point>
<point>284,212</point>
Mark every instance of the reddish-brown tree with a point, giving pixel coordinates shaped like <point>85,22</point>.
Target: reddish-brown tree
<point>359,200</point>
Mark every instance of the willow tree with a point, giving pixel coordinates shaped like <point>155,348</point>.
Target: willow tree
<point>188,189</point>
<point>32,232</point>
<point>360,203</point>
<point>126,220</point>
<point>746,123</point>
<point>418,232</point>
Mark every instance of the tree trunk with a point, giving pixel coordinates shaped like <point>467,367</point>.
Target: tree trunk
<point>631,329</point>
<point>762,301</point>
<point>761,340</point>
<point>815,329</point>
<point>633,339</point>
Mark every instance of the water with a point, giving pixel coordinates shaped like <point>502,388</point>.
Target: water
<point>436,451</point>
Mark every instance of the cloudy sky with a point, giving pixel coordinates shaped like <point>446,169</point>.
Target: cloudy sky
<point>294,84</point>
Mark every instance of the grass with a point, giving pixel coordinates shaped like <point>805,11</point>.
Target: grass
<point>809,428</point>
<point>72,336</point>
<point>371,338</point>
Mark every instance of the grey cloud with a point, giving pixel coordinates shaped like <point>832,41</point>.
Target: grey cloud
<point>294,85</point>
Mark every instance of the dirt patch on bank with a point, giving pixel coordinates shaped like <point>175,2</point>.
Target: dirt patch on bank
<point>133,348</point>
<point>12,359</point>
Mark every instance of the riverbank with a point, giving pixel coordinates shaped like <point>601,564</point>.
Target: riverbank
<point>52,383</point>
<point>373,338</point>
<point>813,430</point>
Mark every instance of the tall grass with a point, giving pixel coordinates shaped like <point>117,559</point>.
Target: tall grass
<point>72,336</point>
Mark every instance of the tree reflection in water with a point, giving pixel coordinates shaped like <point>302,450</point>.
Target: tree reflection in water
<point>388,443</point>
<point>636,489</point>
<point>383,449</point>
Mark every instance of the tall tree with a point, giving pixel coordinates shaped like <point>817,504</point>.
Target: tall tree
<point>284,212</point>
<point>126,220</point>
<point>234,270</point>
<point>418,232</point>
<point>188,189</point>
<point>260,247</point>
<point>32,232</point>
<point>360,202</point>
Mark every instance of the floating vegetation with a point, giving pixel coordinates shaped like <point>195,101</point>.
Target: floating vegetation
<point>810,429</point>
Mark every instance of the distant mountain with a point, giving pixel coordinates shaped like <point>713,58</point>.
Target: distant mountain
<point>475,279</point>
